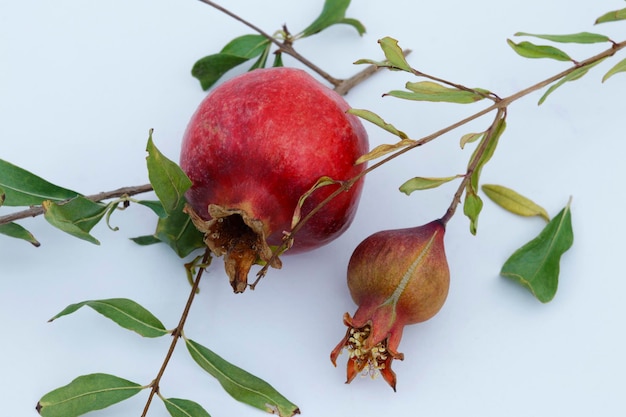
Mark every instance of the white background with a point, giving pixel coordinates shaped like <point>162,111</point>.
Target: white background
<point>81,82</point>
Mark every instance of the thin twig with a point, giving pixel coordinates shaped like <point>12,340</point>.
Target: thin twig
<point>497,105</point>
<point>38,210</point>
<point>456,200</point>
<point>285,47</point>
<point>177,332</point>
<point>346,85</point>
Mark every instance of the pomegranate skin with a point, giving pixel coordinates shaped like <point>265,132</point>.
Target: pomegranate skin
<point>396,277</point>
<point>261,140</point>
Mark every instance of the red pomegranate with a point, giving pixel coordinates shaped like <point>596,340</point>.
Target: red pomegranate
<point>255,145</point>
<point>396,277</point>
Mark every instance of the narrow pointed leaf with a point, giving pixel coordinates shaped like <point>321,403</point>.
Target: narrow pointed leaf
<point>16,231</point>
<point>424,183</point>
<point>145,240</point>
<point>23,188</point>
<point>530,50</point>
<point>384,149</point>
<point>536,265</point>
<point>472,206</point>
<point>434,92</point>
<point>493,136</point>
<point>514,202</point>
<point>355,24</point>
<point>177,230</point>
<point>333,12</point>
<point>127,313</point>
<point>613,16</point>
<point>572,76</point>
<point>380,64</point>
<point>76,216</point>
<point>321,182</point>
<point>278,60</point>
<point>246,46</point>
<point>184,408</point>
<point>378,121</point>
<point>620,67</point>
<point>582,37</point>
<point>167,178</point>
<point>470,138</point>
<point>262,61</point>
<point>86,393</point>
<point>155,206</point>
<point>240,384</point>
<point>394,54</point>
<point>211,68</point>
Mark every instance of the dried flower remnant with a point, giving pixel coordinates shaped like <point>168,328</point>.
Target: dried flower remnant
<point>396,277</point>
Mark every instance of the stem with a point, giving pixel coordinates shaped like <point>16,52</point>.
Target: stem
<point>456,200</point>
<point>38,210</point>
<point>283,46</point>
<point>347,84</point>
<point>500,105</point>
<point>177,332</point>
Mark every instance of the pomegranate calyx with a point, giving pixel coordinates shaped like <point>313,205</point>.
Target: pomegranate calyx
<point>365,358</point>
<point>239,238</point>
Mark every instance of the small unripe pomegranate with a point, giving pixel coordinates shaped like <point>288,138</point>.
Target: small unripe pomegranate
<point>396,277</point>
<point>255,145</point>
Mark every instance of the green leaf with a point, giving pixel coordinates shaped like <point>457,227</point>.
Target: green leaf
<point>572,76</point>
<point>378,121</point>
<point>613,16</point>
<point>620,67</point>
<point>18,232</point>
<point>86,393</point>
<point>514,202</point>
<point>211,68</point>
<point>434,92</point>
<point>355,24</point>
<point>184,408</point>
<point>262,61</point>
<point>530,50</point>
<point>472,206</point>
<point>76,216</point>
<point>394,54</point>
<point>384,149</point>
<point>178,231</point>
<point>240,384</point>
<point>470,138</point>
<point>582,37</point>
<point>246,46</point>
<point>536,264</point>
<point>22,188</point>
<point>278,60</point>
<point>493,136</point>
<point>333,12</point>
<point>241,49</point>
<point>380,64</point>
<point>155,206</point>
<point>320,183</point>
<point>127,313</point>
<point>145,240</point>
<point>424,183</point>
<point>167,178</point>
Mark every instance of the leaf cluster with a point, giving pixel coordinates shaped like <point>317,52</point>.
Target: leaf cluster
<point>99,390</point>
<point>209,69</point>
<point>536,264</point>
<point>77,214</point>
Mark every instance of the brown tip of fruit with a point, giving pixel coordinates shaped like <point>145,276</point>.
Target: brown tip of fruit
<point>232,233</point>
